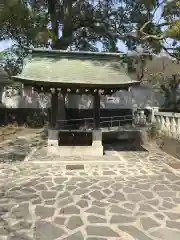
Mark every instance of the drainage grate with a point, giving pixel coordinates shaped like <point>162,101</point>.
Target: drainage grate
<point>174,165</point>
<point>75,167</point>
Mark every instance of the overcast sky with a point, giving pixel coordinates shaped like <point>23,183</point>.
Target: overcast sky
<point>5,44</point>
<point>8,43</point>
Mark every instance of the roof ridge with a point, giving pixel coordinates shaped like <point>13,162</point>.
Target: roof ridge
<point>45,50</point>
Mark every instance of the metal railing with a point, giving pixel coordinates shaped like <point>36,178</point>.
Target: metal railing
<point>88,123</point>
<point>116,121</point>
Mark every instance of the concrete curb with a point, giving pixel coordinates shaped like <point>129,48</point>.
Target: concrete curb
<point>73,162</point>
<point>172,170</point>
<point>146,146</point>
<point>121,158</point>
<point>29,156</point>
<point>165,165</point>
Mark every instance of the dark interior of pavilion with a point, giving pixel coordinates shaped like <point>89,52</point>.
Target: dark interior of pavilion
<point>75,138</point>
<point>82,119</point>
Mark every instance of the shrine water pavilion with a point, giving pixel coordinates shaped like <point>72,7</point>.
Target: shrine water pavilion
<point>64,72</point>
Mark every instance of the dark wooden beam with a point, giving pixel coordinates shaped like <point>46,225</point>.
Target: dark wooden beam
<point>96,110</point>
<point>54,108</point>
<point>76,90</point>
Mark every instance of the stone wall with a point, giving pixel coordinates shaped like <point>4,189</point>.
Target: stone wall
<point>140,97</point>
<point>168,123</point>
<point>12,97</point>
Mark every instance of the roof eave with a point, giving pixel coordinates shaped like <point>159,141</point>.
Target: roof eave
<point>31,82</point>
<point>46,50</point>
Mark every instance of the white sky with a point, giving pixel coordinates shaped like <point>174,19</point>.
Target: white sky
<point>5,44</point>
<point>8,43</point>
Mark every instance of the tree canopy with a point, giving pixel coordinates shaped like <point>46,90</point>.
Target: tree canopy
<point>85,23</point>
<point>11,60</point>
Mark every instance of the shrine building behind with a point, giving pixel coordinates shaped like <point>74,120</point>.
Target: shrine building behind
<point>62,72</point>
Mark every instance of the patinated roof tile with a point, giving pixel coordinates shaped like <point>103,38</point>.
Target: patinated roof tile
<point>62,68</point>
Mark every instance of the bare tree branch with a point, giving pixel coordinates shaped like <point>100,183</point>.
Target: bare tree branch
<point>135,35</point>
<point>153,37</point>
<point>149,36</point>
<point>144,26</point>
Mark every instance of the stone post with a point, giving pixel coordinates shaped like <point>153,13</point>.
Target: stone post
<point>134,114</point>
<point>162,123</point>
<point>178,128</point>
<point>96,138</point>
<point>97,147</point>
<point>52,138</point>
<point>52,132</point>
<point>153,111</point>
<point>167,123</point>
<point>173,127</point>
<point>142,119</point>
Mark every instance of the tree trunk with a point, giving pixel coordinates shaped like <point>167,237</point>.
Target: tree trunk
<point>54,21</point>
<point>173,91</point>
<point>172,97</point>
<point>66,38</point>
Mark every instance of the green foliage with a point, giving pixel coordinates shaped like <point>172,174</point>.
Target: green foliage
<point>171,16</point>
<point>12,60</point>
<point>21,22</point>
<point>90,22</point>
<point>174,30</point>
<point>85,23</point>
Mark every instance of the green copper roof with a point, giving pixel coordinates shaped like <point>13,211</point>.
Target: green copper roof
<point>74,68</point>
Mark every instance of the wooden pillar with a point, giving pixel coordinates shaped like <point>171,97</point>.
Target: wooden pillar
<point>61,111</point>
<point>54,108</point>
<point>96,110</point>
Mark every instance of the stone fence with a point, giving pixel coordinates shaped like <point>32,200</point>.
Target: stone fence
<point>168,122</point>
<point>143,117</point>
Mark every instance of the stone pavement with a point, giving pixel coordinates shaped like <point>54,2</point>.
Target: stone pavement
<point>135,198</point>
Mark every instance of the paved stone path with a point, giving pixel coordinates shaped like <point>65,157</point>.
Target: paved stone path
<point>135,198</point>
